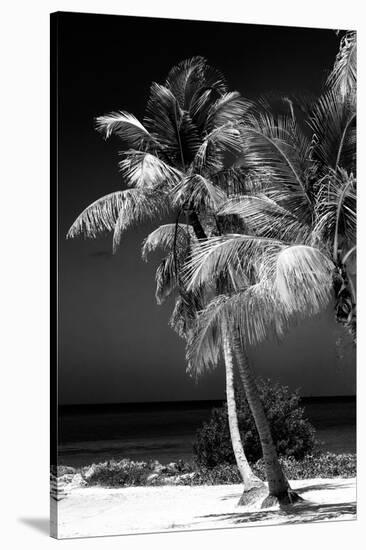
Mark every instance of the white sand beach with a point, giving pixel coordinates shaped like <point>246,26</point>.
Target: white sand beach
<point>98,511</point>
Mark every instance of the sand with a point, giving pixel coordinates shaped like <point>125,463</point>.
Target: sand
<point>98,511</point>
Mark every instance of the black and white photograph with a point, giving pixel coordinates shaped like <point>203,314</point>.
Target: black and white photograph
<point>203,261</point>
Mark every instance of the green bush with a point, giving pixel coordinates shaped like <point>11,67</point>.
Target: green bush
<point>293,434</point>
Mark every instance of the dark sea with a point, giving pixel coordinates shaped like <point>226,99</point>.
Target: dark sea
<point>166,431</point>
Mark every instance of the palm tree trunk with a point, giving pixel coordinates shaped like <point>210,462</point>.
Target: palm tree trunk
<point>278,486</point>
<point>196,224</point>
<point>250,480</point>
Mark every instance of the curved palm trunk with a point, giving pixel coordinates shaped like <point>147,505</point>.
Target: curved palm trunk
<point>249,479</point>
<point>278,486</point>
<point>196,224</point>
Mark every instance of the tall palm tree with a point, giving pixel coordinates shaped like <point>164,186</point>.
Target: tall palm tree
<point>300,219</point>
<point>309,198</point>
<point>178,161</point>
<point>251,313</point>
<point>179,239</point>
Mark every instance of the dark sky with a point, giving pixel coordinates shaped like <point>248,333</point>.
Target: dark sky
<point>114,341</point>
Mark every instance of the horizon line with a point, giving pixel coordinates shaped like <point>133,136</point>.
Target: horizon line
<point>188,401</point>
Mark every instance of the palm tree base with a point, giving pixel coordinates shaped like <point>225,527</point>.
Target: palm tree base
<point>253,494</point>
<point>284,499</point>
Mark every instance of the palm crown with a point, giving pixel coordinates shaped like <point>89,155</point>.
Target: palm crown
<point>299,208</point>
<point>174,159</point>
<point>179,160</point>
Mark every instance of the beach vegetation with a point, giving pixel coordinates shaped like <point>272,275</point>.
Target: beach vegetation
<point>129,473</point>
<point>292,432</point>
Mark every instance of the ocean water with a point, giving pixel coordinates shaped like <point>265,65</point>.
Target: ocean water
<point>166,431</point>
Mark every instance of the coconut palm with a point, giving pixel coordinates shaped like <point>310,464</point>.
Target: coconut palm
<point>310,195</point>
<point>300,235</point>
<point>251,312</point>
<point>177,161</point>
<point>183,320</point>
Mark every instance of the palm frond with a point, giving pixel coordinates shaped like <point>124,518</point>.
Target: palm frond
<point>252,314</point>
<point>191,78</point>
<point>184,315</point>
<point>303,279</point>
<point>189,138</point>
<point>139,205</point>
<point>275,144</point>
<point>166,236</point>
<point>216,255</point>
<point>343,77</point>
<point>335,211</point>
<point>197,193</point>
<point>334,125</point>
<point>163,118</point>
<point>124,125</point>
<point>230,107</point>
<point>166,279</point>
<point>184,79</point>
<point>143,169</point>
<point>203,348</point>
<point>238,180</point>
<point>221,140</point>
<point>98,217</point>
<point>117,211</point>
<point>265,217</point>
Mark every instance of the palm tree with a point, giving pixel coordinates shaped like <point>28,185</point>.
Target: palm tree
<point>309,198</point>
<point>177,161</point>
<point>300,233</point>
<point>250,313</point>
<point>183,320</point>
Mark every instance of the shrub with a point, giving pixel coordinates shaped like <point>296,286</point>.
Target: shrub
<point>225,474</point>
<point>327,465</point>
<point>293,434</point>
<point>117,474</point>
<point>126,473</point>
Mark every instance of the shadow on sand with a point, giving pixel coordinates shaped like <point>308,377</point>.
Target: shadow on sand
<point>302,512</point>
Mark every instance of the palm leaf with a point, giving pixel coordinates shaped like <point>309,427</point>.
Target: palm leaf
<point>230,107</point>
<point>143,169</point>
<point>275,144</point>
<point>220,141</point>
<point>252,314</point>
<point>126,126</point>
<point>265,217</point>
<point>334,125</point>
<point>343,77</point>
<point>216,255</point>
<point>197,193</point>
<point>203,348</point>
<point>303,279</point>
<point>163,118</point>
<point>191,78</point>
<point>98,217</point>
<point>184,315</point>
<point>117,211</point>
<point>166,237</point>
<point>335,211</point>
<point>166,279</point>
